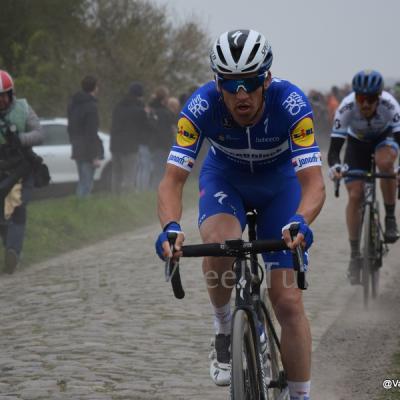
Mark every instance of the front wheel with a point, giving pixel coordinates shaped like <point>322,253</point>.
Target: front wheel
<point>376,260</point>
<point>275,375</point>
<point>367,253</point>
<point>244,378</point>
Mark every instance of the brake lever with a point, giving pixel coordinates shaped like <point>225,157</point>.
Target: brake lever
<point>172,270</point>
<point>169,262</point>
<point>298,259</point>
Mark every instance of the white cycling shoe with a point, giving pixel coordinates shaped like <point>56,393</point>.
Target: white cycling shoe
<point>220,367</point>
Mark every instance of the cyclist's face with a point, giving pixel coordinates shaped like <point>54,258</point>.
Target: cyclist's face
<point>246,107</point>
<point>4,101</point>
<point>367,104</point>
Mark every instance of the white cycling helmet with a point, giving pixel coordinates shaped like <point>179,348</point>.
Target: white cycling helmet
<point>241,52</point>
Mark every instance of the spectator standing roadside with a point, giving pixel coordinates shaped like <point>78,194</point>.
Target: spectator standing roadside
<point>129,129</point>
<point>83,126</point>
<point>332,103</point>
<point>19,113</point>
<point>174,106</point>
<point>164,123</point>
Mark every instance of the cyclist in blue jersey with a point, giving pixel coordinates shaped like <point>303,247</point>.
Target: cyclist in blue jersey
<point>263,155</point>
<point>369,118</point>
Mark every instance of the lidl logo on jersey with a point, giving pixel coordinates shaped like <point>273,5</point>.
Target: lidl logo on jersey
<point>187,134</point>
<point>306,160</point>
<point>303,133</point>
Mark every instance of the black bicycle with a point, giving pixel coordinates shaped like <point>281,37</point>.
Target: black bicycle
<point>372,237</point>
<point>255,374</point>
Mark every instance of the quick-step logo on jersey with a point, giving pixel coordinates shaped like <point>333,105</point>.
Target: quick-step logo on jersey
<point>294,103</point>
<point>181,160</point>
<point>198,106</point>
<point>303,133</point>
<point>306,160</point>
<point>187,135</point>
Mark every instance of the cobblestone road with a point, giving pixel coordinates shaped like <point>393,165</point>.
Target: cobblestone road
<point>100,323</point>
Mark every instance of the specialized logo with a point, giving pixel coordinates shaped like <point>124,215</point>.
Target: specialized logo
<point>187,134</point>
<point>266,125</point>
<point>306,160</point>
<point>294,103</point>
<point>236,37</point>
<point>181,160</point>
<point>241,285</point>
<point>198,105</point>
<point>220,196</point>
<point>303,133</point>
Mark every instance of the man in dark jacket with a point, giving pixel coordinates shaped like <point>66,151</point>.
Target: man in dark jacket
<point>165,126</point>
<point>130,129</point>
<point>83,126</point>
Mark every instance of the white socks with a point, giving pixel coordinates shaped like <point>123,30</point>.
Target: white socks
<point>299,390</point>
<point>223,319</point>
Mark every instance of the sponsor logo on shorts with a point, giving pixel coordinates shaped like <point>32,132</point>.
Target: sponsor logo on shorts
<point>303,133</point>
<point>306,160</point>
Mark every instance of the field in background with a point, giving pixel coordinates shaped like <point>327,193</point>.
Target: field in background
<point>58,225</point>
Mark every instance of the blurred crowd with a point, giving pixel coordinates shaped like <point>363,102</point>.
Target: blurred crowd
<point>141,135</point>
<point>142,132</point>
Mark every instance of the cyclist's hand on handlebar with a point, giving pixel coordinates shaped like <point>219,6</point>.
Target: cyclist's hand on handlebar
<point>335,172</point>
<point>304,235</point>
<point>163,247</point>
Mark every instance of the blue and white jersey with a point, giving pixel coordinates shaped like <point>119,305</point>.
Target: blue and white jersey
<point>349,120</point>
<point>283,136</point>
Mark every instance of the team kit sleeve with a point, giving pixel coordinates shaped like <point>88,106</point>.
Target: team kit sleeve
<point>341,120</point>
<point>304,148</point>
<point>190,128</point>
<point>395,120</point>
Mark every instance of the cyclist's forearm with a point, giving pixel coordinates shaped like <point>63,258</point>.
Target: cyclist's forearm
<point>334,150</point>
<point>170,199</point>
<point>169,205</point>
<point>312,193</point>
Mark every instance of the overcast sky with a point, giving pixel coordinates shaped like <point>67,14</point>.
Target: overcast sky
<point>316,43</point>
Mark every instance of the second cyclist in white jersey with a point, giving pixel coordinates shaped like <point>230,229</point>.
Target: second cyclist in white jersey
<point>369,118</point>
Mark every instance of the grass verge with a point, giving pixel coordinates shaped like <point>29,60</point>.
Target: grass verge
<point>59,225</point>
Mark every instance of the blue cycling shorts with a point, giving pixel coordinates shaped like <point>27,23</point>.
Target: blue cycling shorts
<point>275,196</point>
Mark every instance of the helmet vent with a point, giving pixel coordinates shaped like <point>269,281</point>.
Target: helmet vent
<point>253,53</point>
<point>221,55</point>
<point>236,53</point>
<point>222,69</point>
<point>249,69</point>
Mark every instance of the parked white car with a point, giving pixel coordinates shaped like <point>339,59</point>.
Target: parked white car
<point>56,153</point>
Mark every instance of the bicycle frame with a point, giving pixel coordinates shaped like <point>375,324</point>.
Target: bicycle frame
<point>370,227</point>
<point>247,286</point>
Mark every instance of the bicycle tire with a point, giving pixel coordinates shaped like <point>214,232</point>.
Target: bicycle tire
<point>366,267</point>
<point>244,375</point>
<point>376,240</point>
<point>274,354</point>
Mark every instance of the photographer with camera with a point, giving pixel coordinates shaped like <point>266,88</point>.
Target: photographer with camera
<point>19,131</point>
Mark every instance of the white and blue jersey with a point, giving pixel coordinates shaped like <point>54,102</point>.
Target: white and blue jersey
<point>283,135</point>
<point>249,167</point>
